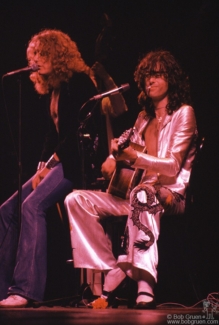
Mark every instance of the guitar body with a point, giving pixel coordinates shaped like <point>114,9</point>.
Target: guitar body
<point>125,177</point>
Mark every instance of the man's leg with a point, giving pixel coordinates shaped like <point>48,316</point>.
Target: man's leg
<point>9,234</point>
<point>91,247</point>
<point>148,203</point>
<point>31,262</point>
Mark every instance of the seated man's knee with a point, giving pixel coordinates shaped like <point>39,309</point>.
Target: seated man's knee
<point>70,198</point>
<point>80,200</point>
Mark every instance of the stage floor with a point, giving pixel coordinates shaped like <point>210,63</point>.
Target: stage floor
<point>82,316</point>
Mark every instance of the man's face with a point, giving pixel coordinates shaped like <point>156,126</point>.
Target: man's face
<point>156,84</point>
<point>41,58</point>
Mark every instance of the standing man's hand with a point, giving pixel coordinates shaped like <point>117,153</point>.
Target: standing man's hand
<point>39,176</point>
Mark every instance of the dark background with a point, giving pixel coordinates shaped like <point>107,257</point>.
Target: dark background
<point>189,248</point>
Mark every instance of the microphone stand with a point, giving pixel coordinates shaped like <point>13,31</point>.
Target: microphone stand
<point>19,155</point>
<point>33,68</point>
<point>82,135</point>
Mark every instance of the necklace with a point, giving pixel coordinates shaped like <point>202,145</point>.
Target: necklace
<point>159,119</point>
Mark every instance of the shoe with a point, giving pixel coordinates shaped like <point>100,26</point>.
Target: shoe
<point>120,296</point>
<point>145,304</point>
<point>13,301</point>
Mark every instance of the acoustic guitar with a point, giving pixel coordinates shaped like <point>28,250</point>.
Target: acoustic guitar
<point>125,177</point>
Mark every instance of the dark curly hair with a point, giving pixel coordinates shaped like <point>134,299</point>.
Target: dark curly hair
<point>178,83</point>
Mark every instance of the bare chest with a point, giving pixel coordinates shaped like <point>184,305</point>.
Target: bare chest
<point>151,137</point>
<point>54,107</point>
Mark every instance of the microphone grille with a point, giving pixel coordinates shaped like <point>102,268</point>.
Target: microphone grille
<point>34,67</point>
<point>125,87</point>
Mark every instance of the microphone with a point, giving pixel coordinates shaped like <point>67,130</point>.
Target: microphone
<point>33,67</point>
<point>110,92</point>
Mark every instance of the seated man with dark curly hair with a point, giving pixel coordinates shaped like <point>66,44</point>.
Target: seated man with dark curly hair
<point>166,129</point>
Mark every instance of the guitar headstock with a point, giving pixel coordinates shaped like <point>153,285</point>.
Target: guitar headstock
<point>124,139</point>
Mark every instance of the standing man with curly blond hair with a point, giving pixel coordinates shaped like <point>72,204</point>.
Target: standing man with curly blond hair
<point>63,76</point>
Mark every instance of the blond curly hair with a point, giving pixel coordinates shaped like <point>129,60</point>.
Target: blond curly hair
<point>64,55</point>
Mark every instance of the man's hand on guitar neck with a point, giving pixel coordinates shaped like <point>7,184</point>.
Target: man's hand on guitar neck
<point>109,164</point>
<point>126,154</point>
